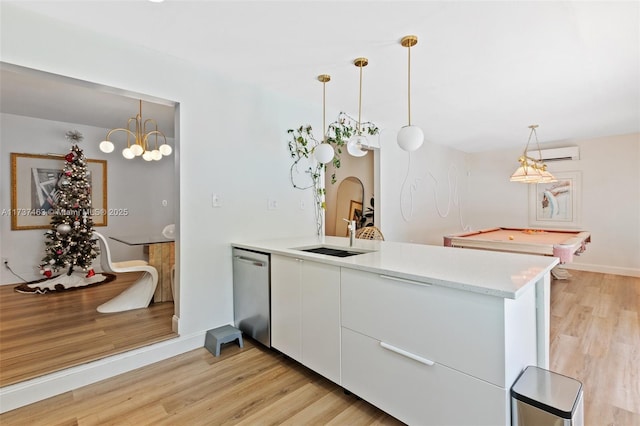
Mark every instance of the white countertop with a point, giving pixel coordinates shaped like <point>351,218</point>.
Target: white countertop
<point>494,273</point>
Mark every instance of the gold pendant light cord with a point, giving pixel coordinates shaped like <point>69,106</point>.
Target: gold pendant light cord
<point>360,104</point>
<point>324,78</point>
<point>409,83</point>
<point>408,42</point>
<point>360,62</point>
<point>324,93</point>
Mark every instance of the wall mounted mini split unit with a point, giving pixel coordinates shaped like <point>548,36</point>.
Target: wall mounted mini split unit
<point>556,154</point>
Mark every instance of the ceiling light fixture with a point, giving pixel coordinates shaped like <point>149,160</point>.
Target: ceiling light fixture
<point>358,143</point>
<point>532,170</point>
<point>141,144</point>
<point>323,152</point>
<point>410,137</point>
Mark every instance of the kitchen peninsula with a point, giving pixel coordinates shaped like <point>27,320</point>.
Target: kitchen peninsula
<point>429,334</point>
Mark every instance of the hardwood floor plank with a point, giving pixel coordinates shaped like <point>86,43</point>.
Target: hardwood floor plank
<point>595,338</point>
<point>285,409</point>
<point>44,333</point>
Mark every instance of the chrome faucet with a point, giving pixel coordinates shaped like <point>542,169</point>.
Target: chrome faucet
<point>352,230</point>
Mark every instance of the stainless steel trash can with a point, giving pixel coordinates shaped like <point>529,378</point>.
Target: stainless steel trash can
<point>541,397</point>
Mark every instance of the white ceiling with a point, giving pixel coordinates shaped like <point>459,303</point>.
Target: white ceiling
<point>481,72</point>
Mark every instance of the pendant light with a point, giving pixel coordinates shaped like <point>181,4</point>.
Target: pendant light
<point>323,152</point>
<point>357,144</point>
<point>532,170</point>
<point>410,137</point>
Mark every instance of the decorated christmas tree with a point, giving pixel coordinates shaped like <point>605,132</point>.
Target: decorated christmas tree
<point>69,244</point>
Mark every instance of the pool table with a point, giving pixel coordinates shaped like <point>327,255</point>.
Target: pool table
<point>562,244</point>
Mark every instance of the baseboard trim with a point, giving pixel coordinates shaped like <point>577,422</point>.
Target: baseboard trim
<point>30,391</point>
<point>603,269</point>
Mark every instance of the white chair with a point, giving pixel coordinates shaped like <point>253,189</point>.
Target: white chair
<point>140,293</point>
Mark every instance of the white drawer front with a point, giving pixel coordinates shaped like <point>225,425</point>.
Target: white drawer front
<point>459,329</point>
<point>415,392</point>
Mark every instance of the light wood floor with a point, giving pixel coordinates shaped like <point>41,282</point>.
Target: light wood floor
<point>595,338</point>
<point>43,333</point>
<point>595,335</point>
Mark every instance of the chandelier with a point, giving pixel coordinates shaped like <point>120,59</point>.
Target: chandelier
<point>140,142</point>
<point>532,170</point>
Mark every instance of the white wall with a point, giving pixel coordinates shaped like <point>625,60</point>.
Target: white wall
<point>423,193</point>
<point>137,186</point>
<point>610,198</point>
<point>232,142</point>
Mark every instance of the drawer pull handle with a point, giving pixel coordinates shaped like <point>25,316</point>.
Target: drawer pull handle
<point>407,354</point>
<point>404,280</point>
<point>247,260</point>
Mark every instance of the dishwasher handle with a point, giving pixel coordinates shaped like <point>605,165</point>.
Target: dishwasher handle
<point>252,261</point>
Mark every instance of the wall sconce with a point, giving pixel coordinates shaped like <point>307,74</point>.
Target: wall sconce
<point>410,137</point>
<point>140,138</point>
<point>532,170</point>
<point>323,152</point>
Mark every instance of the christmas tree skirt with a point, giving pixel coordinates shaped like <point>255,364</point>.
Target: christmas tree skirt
<point>65,282</point>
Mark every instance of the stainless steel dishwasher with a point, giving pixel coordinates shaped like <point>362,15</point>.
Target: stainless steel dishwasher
<point>251,294</point>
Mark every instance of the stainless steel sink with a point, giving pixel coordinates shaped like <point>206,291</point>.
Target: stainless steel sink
<point>333,251</point>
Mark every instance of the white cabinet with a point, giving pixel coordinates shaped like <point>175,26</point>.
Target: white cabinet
<point>305,313</point>
<point>439,323</point>
<point>425,353</point>
<point>432,355</point>
<point>286,302</point>
<point>414,392</point>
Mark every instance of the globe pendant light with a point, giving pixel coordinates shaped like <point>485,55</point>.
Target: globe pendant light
<point>323,152</point>
<point>358,141</point>
<point>410,137</point>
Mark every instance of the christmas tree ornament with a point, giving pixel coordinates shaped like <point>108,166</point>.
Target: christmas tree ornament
<point>90,273</point>
<point>74,136</point>
<point>63,228</point>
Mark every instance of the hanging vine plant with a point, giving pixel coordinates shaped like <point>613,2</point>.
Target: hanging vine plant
<point>305,172</point>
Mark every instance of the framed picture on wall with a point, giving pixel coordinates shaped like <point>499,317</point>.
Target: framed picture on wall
<point>34,184</point>
<point>556,204</point>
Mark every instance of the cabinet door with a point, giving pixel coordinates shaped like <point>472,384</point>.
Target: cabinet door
<point>286,324</point>
<point>321,319</point>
